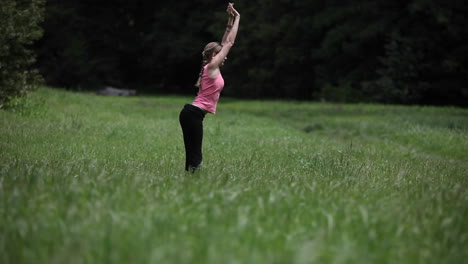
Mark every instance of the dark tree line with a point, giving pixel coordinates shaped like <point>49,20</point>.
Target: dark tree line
<point>410,52</point>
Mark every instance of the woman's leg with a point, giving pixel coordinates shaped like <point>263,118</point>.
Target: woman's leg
<point>191,122</point>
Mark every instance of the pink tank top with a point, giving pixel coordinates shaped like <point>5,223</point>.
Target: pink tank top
<point>208,94</point>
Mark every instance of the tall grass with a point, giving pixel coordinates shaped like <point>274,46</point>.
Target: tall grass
<point>90,179</point>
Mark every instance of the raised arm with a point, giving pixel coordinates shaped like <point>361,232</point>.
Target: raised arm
<point>229,24</point>
<point>233,27</point>
<point>228,38</point>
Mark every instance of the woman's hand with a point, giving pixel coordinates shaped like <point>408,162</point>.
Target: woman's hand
<point>231,30</point>
<point>232,11</point>
<point>230,17</point>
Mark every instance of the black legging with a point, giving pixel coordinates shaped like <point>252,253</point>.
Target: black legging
<point>191,121</point>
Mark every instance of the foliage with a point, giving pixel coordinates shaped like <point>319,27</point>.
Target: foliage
<point>400,76</point>
<point>124,44</point>
<point>285,49</point>
<point>19,28</point>
<point>424,61</point>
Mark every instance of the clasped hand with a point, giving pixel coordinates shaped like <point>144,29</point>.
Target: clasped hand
<point>232,11</point>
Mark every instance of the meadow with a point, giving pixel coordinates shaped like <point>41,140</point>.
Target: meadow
<point>94,179</point>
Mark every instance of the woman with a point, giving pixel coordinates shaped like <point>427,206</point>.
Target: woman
<point>210,83</point>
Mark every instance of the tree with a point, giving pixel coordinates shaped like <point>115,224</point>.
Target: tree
<point>19,28</point>
<point>409,52</point>
<point>140,44</point>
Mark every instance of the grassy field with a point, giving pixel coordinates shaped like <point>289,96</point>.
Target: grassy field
<point>91,179</point>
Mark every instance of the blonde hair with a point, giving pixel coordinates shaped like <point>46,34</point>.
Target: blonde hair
<point>207,55</point>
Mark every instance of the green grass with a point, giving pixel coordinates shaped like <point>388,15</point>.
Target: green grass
<point>91,179</point>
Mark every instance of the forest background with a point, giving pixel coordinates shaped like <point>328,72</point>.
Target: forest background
<point>399,52</point>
